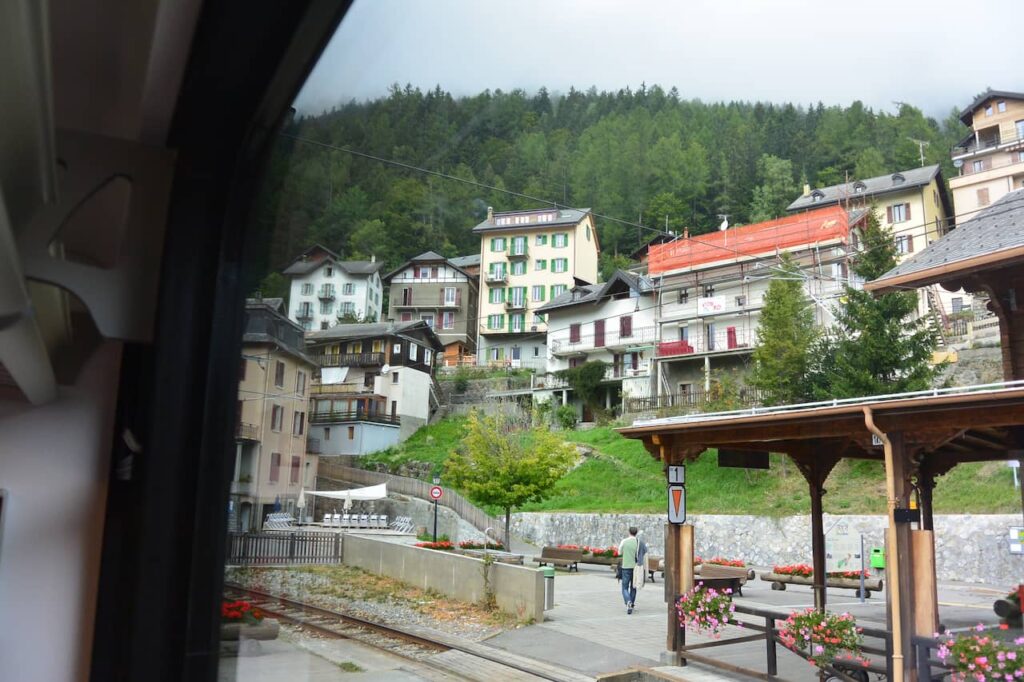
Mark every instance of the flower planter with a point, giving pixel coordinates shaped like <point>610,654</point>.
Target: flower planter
<point>779,582</point>
<point>739,571</point>
<point>600,560</point>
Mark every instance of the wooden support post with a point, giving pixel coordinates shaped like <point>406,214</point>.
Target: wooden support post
<point>672,582</point>
<point>900,534</point>
<point>818,545</point>
<point>926,596</point>
<point>926,486</point>
<point>684,559</point>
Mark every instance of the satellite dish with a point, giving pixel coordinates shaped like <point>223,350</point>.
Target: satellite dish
<point>957,163</point>
<point>385,369</point>
<point>725,225</point>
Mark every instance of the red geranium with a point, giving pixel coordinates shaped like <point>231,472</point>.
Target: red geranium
<point>240,610</point>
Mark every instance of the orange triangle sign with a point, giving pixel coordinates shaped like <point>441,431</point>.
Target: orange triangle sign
<point>677,495</point>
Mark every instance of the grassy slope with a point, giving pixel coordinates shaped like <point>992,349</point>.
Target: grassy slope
<point>623,477</point>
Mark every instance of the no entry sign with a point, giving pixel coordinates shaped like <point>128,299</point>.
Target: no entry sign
<point>435,492</point>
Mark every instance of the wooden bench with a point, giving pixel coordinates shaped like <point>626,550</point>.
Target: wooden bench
<point>655,563</point>
<point>566,558</point>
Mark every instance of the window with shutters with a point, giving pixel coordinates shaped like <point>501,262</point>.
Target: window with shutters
<point>519,267</point>
<point>429,319</point>
<point>598,333</point>
<point>978,165</point>
<point>498,244</point>
<point>298,423</point>
<point>355,347</point>
<point>558,289</point>
<point>897,213</point>
<point>300,382</point>
<point>276,418</point>
<point>295,469</point>
<point>516,322</point>
<point>574,333</point>
<point>495,321</point>
<point>538,292</point>
<point>905,243</point>
<point>450,295</point>
<point>349,289</point>
<point>540,264</point>
<point>560,265</point>
<point>542,240</point>
<point>983,196</point>
<point>275,467</point>
<point>448,320</point>
<point>278,373</point>
<point>326,307</point>
<point>626,326</point>
<point>560,240</point>
<point>307,289</point>
<point>497,295</point>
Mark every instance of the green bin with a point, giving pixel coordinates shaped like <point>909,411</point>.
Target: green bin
<point>877,557</point>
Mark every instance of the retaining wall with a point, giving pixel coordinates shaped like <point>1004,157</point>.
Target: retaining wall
<point>518,590</point>
<point>969,548</point>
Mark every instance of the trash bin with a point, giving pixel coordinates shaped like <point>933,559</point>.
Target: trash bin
<point>549,587</point>
<point>877,557</point>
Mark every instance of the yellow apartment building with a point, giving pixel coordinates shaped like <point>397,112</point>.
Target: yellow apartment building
<point>527,258</point>
<point>990,160</point>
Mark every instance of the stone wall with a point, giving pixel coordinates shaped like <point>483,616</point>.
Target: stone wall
<point>969,548</point>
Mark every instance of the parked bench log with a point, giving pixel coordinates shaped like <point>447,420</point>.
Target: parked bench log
<point>721,577</point>
<point>780,581</point>
<point>566,558</point>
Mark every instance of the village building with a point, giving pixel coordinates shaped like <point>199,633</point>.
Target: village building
<point>711,292</point>
<point>991,158</point>
<point>325,289</point>
<point>375,386</point>
<point>272,463</point>
<point>612,322</point>
<point>433,289</point>
<point>528,258</point>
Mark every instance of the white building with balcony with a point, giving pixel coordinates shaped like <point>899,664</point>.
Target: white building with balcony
<point>613,322</point>
<point>326,289</point>
<point>711,291</point>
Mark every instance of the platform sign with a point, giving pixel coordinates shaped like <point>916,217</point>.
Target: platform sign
<point>1016,539</point>
<point>842,549</point>
<point>676,504</point>
<point>436,492</point>
<point>676,474</point>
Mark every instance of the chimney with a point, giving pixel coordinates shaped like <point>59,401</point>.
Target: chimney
<point>686,233</point>
<point>373,258</point>
<point>807,190</point>
<point>490,214</point>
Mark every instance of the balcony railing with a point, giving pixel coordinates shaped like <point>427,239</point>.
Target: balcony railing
<point>356,416</point>
<point>351,360</point>
<point>497,276</point>
<point>247,431</point>
<point>313,446</point>
<point>326,389</point>
<point>515,304</point>
<point>691,401</point>
<point>626,371</point>
<point>981,145</point>
<point>325,294</point>
<point>613,339</point>
<point>729,340</point>
<point>304,314</point>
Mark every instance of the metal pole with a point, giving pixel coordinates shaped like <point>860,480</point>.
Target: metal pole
<point>862,568</point>
<point>435,520</point>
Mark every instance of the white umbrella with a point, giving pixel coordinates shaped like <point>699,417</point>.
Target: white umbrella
<point>301,502</point>
<point>348,501</point>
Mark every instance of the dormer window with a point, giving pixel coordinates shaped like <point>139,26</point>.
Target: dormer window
<point>817,195</point>
<point>859,187</point>
<point>328,271</point>
<point>898,179</point>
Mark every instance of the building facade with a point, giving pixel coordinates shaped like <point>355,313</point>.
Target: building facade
<point>433,289</point>
<point>711,291</point>
<point>375,386</point>
<point>528,258</point>
<point>272,463</point>
<point>915,206</point>
<point>613,322</point>
<point>991,159</point>
<point>325,289</point>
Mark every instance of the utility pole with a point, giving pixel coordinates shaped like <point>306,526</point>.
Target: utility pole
<point>921,144</point>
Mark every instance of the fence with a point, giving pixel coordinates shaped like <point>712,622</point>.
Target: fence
<point>282,547</point>
<point>414,488</point>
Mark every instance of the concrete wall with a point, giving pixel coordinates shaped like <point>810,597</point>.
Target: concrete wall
<point>969,548</point>
<point>518,590</point>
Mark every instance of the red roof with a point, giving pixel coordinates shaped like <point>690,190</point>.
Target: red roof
<point>783,234</point>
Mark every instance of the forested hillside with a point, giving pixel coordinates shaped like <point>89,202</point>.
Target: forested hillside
<point>645,155</point>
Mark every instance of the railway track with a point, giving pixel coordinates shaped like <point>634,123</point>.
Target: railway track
<point>452,657</point>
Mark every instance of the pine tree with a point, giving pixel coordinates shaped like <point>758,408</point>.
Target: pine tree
<point>875,347</point>
<point>785,335</point>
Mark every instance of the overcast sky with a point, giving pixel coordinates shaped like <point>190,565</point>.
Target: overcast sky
<point>936,54</point>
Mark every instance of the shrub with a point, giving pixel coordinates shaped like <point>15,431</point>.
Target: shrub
<point>461,381</point>
<point>565,416</point>
<point>821,634</point>
<point>705,610</point>
<point>240,612</point>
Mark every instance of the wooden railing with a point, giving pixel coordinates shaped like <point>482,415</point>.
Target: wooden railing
<point>283,547</point>
<point>351,360</point>
<point>334,417</point>
<point>415,488</point>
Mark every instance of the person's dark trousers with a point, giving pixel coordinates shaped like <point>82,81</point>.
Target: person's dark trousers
<point>628,591</point>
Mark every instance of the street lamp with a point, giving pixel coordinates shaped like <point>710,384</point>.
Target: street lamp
<point>437,481</point>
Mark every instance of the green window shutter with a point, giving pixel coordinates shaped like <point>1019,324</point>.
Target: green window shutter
<point>501,296</point>
<point>492,249</point>
<point>542,293</point>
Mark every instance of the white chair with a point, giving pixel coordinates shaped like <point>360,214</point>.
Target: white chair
<point>327,519</point>
<point>382,521</point>
<point>335,519</point>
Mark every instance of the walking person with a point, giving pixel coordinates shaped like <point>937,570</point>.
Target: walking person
<point>629,547</point>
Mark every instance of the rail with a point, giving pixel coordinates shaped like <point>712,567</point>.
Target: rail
<point>351,360</point>
<point>994,388</point>
<point>980,145</point>
<point>729,340</point>
<point>413,487</point>
<point>353,416</point>
<point>324,389</point>
<point>749,397</point>
<point>612,338</point>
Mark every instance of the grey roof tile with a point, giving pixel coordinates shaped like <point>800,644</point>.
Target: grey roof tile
<point>883,184</point>
<point>566,216</point>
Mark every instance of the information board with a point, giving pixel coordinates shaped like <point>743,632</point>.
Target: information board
<point>842,549</point>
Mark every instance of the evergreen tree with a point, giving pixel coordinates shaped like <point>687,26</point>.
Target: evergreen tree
<point>776,191</point>
<point>785,336</point>
<point>874,348</point>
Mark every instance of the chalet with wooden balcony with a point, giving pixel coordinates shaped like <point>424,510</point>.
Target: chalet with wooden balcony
<point>375,385</point>
<point>612,322</point>
<point>439,292</point>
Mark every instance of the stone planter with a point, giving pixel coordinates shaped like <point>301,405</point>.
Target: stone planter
<point>779,582</point>
<point>268,628</point>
